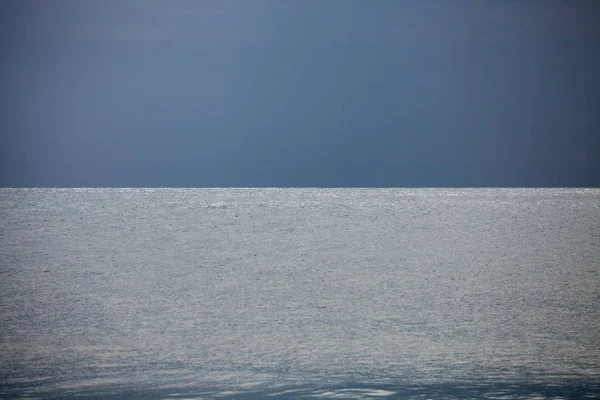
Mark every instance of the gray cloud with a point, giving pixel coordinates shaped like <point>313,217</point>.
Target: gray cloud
<point>334,93</point>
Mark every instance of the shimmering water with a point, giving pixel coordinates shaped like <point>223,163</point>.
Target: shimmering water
<point>300,293</point>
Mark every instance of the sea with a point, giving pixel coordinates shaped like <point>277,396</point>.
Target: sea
<point>288,293</point>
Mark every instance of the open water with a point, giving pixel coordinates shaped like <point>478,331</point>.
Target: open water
<point>300,293</point>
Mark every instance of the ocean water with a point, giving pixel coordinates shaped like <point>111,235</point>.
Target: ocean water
<point>300,293</point>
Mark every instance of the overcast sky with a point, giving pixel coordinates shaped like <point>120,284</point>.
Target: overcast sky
<point>327,93</point>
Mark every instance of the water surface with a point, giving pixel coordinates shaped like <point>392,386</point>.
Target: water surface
<point>300,293</point>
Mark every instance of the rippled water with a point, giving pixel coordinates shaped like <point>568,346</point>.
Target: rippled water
<point>300,293</point>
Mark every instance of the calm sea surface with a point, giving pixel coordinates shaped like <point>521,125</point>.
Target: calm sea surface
<point>300,293</point>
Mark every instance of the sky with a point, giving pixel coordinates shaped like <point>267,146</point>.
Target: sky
<point>299,93</point>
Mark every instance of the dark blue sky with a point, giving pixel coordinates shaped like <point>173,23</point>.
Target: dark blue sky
<point>299,93</point>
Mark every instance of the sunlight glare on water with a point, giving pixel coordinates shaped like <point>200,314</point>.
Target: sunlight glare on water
<point>300,293</point>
